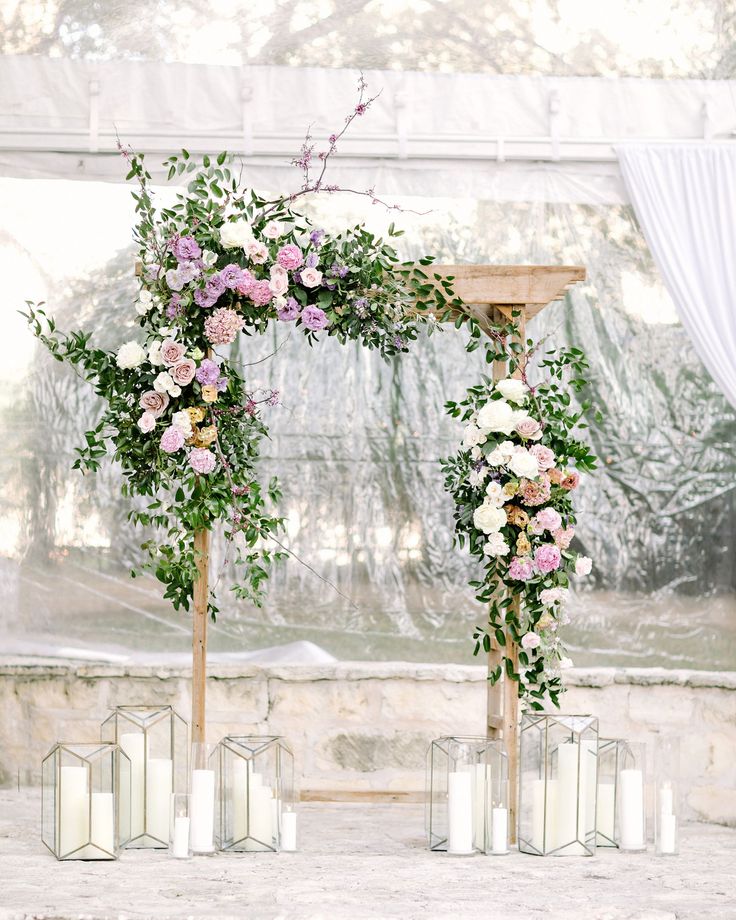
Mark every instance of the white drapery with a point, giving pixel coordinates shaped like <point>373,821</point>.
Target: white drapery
<point>684,197</point>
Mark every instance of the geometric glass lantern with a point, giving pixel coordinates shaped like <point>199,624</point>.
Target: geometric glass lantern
<point>558,785</point>
<point>255,794</point>
<point>155,740</point>
<point>83,786</point>
<point>467,796</point>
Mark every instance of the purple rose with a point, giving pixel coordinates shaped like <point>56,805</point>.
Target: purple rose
<point>214,286</point>
<point>232,276</point>
<point>185,248</point>
<point>203,299</point>
<point>208,372</point>
<point>314,318</point>
<point>290,312</point>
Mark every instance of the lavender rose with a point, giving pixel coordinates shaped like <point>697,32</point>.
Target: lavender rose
<point>154,402</point>
<point>289,312</point>
<point>186,248</point>
<point>314,318</point>
<point>231,276</point>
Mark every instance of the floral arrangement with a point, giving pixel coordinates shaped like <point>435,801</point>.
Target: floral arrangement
<point>180,416</point>
<point>513,480</point>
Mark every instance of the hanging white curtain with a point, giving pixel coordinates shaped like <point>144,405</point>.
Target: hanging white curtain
<point>684,197</point>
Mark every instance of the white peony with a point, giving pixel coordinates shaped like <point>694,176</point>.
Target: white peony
<point>236,233</point>
<point>154,354</point>
<point>488,518</point>
<point>496,415</point>
<point>583,565</point>
<point>183,422</point>
<point>524,465</point>
<point>494,494</point>
<point>513,390</point>
<point>508,449</point>
<point>144,302</point>
<point>472,435</point>
<point>496,546</point>
<point>130,355</point>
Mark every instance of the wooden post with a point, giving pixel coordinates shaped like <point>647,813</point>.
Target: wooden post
<point>200,596</point>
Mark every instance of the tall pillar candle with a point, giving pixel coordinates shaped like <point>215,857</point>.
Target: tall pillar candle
<point>667,842</point>
<point>288,831</point>
<point>73,810</point>
<point>500,831</point>
<point>459,813</point>
<point>102,830</point>
<point>133,744</point>
<point>631,810</point>
<point>605,813</point>
<point>159,779</point>
<point>571,798</point>
<point>202,819</point>
<point>260,831</point>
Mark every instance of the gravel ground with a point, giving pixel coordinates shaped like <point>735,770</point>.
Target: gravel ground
<point>361,861</point>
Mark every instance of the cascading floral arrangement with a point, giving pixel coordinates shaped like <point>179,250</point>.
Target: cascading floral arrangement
<point>513,480</point>
<point>179,416</point>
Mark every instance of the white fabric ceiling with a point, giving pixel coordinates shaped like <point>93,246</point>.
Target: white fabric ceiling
<point>468,135</point>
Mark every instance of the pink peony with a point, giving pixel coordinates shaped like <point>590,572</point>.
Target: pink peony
<point>171,352</point>
<point>545,457</point>
<point>183,372</point>
<point>290,257</point>
<point>222,326</point>
<point>245,285</point>
<point>570,481</point>
<point>547,558</point>
<point>154,402</point>
<point>521,569</point>
<point>147,422</point>
<point>563,537</point>
<point>535,493</point>
<point>546,519</point>
<point>201,460</point>
<point>261,293</point>
<point>172,440</point>
<point>530,640</point>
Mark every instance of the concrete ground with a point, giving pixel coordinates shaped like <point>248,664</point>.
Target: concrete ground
<point>362,861</point>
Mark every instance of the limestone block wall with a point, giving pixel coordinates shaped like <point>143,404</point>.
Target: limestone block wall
<point>362,729</point>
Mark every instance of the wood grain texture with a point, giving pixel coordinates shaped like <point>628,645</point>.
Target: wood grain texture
<point>200,596</point>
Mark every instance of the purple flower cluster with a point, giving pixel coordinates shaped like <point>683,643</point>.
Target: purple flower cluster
<point>174,307</point>
<point>208,374</point>
<point>338,271</point>
<point>185,249</point>
<point>316,236</point>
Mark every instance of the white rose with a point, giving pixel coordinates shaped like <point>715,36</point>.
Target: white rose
<point>513,390</point>
<point>272,230</point>
<point>496,546</point>
<point>524,464</point>
<point>174,391</point>
<point>235,233</point>
<point>494,494</point>
<point>311,277</point>
<point>472,435</point>
<point>144,302</point>
<point>477,477</point>
<point>163,383</point>
<point>489,519</point>
<point>496,415</point>
<point>496,458</point>
<point>182,421</point>
<point>583,565</point>
<point>130,355</point>
<point>154,353</point>
<point>476,453</point>
<point>209,258</point>
<point>175,279</point>
<point>508,449</point>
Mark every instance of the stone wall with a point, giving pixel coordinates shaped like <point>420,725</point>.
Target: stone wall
<point>362,729</point>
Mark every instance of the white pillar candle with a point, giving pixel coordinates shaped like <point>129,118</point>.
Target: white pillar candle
<point>571,798</point>
<point>73,810</point>
<point>132,743</point>
<point>202,811</point>
<point>180,843</point>
<point>102,831</point>
<point>288,831</point>
<point>590,760</point>
<point>605,813</point>
<point>459,813</point>
<point>159,778</point>
<point>239,794</point>
<point>667,834</point>
<point>500,831</point>
<point>260,830</point>
<point>666,800</point>
<point>544,822</point>
<point>481,789</point>
<point>631,810</point>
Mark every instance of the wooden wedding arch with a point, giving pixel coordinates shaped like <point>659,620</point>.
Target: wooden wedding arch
<point>492,294</point>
